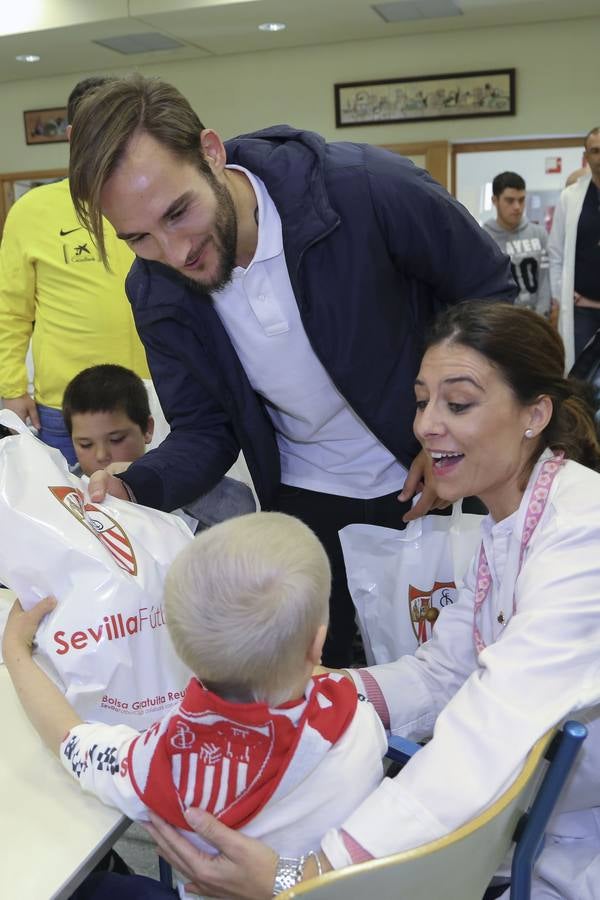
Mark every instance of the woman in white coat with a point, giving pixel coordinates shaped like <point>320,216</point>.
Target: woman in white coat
<point>517,653</point>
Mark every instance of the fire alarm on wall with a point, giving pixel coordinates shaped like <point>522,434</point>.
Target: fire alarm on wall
<point>553,165</point>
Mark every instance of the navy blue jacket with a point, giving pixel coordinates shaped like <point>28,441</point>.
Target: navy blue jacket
<point>374,247</point>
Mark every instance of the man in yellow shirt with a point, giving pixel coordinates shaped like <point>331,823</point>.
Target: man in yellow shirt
<point>56,293</point>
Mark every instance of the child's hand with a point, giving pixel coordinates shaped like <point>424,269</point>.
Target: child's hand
<point>47,708</point>
<point>21,627</point>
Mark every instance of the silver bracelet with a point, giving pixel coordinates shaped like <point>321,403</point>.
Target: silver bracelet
<point>288,873</point>
<point>315,856</point>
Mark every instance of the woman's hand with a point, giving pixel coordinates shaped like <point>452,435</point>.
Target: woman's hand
<point>244,867</point>
<point>21,626</point>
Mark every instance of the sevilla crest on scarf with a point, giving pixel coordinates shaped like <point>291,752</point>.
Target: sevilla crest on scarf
<point>231,758</point>
<point>217,765</point>
<point>102,526</point>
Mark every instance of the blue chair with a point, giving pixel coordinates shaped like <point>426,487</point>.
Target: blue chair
<point>460,865</point>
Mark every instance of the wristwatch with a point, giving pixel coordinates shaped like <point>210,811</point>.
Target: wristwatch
<point>289,872</point>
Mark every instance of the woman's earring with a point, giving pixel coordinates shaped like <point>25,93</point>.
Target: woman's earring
<point>529,433</point>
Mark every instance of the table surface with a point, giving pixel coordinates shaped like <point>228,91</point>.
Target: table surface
<point>51,833</point>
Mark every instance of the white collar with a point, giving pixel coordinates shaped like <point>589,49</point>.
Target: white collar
<point>270,237</point>
<point>516,520</point>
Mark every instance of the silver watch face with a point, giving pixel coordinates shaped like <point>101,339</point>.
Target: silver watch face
<point>289,872</point>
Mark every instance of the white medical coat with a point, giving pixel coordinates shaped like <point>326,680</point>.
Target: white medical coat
<point>561,253</point>
<point>486,712</point>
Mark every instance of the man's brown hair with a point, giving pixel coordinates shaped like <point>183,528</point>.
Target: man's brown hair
<point>103,125</point>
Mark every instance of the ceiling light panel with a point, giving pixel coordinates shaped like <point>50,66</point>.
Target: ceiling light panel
<point>139,43</point>
<point>416,10</point>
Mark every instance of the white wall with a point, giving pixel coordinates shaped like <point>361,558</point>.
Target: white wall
<point>557,80</point>
<point>476,170</point>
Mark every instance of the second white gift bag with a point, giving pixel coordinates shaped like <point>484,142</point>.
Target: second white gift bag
<point>400,580</point>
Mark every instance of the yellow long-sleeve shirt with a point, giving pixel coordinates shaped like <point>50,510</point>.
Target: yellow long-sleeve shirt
<point>55,291</point>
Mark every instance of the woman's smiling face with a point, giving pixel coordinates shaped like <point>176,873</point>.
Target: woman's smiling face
<point>472,426</point>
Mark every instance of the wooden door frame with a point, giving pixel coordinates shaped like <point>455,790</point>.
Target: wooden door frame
<point>436,153</point>
<point>513,144</point>
<point>7,180</point>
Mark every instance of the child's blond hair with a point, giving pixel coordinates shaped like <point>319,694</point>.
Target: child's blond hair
<point>244,602</point>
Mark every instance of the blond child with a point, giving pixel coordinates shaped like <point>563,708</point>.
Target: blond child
<point>257,739</point>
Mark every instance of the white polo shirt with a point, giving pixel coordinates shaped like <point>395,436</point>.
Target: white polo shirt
<point>324,446</point>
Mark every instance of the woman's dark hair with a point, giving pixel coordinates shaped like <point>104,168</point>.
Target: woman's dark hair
<point>529,355</point>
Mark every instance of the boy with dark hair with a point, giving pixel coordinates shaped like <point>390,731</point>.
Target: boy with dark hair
<point>524,242</point>
<point>107,413</point>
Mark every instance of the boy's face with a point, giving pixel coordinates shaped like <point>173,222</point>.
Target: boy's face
<point>101,438</point>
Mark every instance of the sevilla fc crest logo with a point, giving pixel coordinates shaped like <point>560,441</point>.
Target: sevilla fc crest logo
<point>100,524</point>
<point>218,765</point>
<point>425,607</point>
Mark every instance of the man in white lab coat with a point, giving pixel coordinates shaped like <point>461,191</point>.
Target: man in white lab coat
<point>574,250</point>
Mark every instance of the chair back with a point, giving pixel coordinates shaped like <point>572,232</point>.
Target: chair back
<point>458,866</point>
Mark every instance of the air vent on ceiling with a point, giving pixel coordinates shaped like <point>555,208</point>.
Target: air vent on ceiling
<point>140,43</point>
<point>415,10</point>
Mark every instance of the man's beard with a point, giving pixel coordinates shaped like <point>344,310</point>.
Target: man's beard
<point>225,240</point>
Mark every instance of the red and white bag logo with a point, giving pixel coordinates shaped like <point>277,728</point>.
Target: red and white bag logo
<point>108,532</point>
<point>425,606</point>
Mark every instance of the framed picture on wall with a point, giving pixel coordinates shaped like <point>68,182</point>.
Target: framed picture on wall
<point>457,95</point>
<point>45,126</point>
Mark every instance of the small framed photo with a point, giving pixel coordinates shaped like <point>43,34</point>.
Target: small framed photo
<point>45,126</point>
<point>458,95</point>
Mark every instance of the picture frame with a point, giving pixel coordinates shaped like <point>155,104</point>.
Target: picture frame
<point>426,98</point>
<point>45,126</point>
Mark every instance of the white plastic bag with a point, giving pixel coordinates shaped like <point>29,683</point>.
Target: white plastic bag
<point>399,580</point>
<point>106,642</point>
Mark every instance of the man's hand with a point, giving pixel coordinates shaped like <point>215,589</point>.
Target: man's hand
<point>104,482</point>
<point>244,867</point>
<point>554,312</point>
<point>117,467</point>
<point>21,627</point>
<point>419,480</point>
<point>25,407</point>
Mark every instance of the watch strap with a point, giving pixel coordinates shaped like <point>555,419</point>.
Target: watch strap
<point>288,873</point>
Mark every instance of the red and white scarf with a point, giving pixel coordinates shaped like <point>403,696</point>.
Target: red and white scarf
<point>229,758</point>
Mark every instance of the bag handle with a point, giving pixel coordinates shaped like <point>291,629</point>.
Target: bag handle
<point>11,420</point>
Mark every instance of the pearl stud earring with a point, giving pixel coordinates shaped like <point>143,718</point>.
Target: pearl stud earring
<point>529,433</point>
